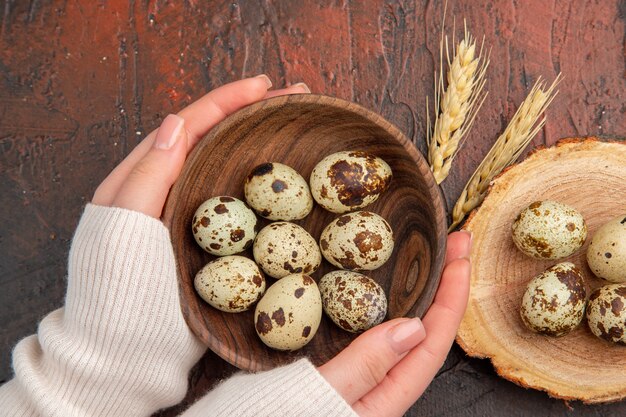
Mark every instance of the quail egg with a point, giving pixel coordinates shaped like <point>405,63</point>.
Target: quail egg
<point>357,241</point>
<point>284,248</point>
<point>549,230</point>
<point>353,301</point>
<point>606,254</point>
<point>288,315</point>
<point>554,301</point>
<point>224,226</point>
<point>277,192</point>
<point>231,283</point>
<point>606,313</point>
<point>346,181</point>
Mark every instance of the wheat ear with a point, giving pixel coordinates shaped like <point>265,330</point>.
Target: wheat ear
<point>507,148</point>
<point>458,102</point>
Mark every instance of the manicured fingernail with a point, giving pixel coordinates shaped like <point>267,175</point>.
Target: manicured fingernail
<point>469,247</point>
<point>170,130</point>
<point>406,335</point>
<point>266,79</point>
<point>303,87</point>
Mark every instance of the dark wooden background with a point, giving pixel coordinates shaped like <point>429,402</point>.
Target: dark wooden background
<point>82,82</point>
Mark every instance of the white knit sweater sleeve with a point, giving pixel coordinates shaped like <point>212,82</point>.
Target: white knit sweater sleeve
<point>121,347</point>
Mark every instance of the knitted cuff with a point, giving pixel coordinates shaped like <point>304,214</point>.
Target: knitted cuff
<point>297,389</point>
<point>123,293</point>
<point>120,345</point>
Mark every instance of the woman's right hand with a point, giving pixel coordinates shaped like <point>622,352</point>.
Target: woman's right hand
<point>386,369</point>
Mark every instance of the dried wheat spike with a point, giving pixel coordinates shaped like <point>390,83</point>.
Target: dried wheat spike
<point>507,148</point>
<point>457,103</point>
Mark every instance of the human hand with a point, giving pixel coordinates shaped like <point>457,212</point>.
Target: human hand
<point>143,179</point>
<point>386,369</point>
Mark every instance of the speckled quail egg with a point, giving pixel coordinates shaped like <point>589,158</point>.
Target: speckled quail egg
<point>606,313</point>
<point>357,241</point>
<point>224,226</point>
<point>549,230</point>
<point>231,283</point>
<point>353,301</point>
<point>277,192</point>
<point>606,254</point>
<point>554,301</point>
<point>284,248</point>
<point>288,315</point>
<point>346,181</point>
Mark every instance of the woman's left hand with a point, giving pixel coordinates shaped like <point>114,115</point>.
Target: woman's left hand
<point>143,179</point>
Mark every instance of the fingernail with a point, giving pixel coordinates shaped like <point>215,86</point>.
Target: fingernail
<point>469,247</point>
<point>303,87</point>
<point>406,335</point>
<point>169,132</point>
<point>265,78</point>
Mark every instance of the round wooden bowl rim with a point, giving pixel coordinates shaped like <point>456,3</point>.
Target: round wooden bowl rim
<point>434,191</point>
<point>503,366</point>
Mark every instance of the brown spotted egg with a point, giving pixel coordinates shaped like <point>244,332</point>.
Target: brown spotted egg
<point>231,283</point>
<point>554,301</point>
<point>606,313</point>
<point>549,230</point>
<point>357,241</point>
<point>353,301</point>
<point>288,315</point>
<point>606,254</point>
<point>277,192</point>
<point>284,248</point>
<point>224,226</point>
<point>346,181</point>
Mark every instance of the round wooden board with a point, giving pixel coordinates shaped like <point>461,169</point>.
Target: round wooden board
<point>589,175</point>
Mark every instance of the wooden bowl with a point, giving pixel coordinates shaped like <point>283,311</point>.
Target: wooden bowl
<point>591,176</point>
<point>298,131</point>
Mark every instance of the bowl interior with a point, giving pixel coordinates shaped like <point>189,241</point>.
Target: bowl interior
<point>299,131</point>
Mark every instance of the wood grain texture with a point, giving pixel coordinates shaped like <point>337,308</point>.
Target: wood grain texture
<point>82,82</point>
<point>299,131</point>
<point>577,366</point>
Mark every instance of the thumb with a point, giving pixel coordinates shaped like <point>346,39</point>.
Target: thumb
<point>361,366</point>
<point>147,185</point>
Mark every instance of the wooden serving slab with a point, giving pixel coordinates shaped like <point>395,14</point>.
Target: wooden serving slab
<point>589,175</point>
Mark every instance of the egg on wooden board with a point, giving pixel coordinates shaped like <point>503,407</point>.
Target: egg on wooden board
<point>554,301</point>
<point>606,254</point>
<point>606,313</point>
<point>549,230</point>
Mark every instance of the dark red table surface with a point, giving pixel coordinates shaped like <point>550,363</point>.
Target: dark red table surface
<point>82,82</point>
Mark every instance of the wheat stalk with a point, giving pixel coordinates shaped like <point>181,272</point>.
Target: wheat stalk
<point>507,148</point>
<point>458,103</point>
